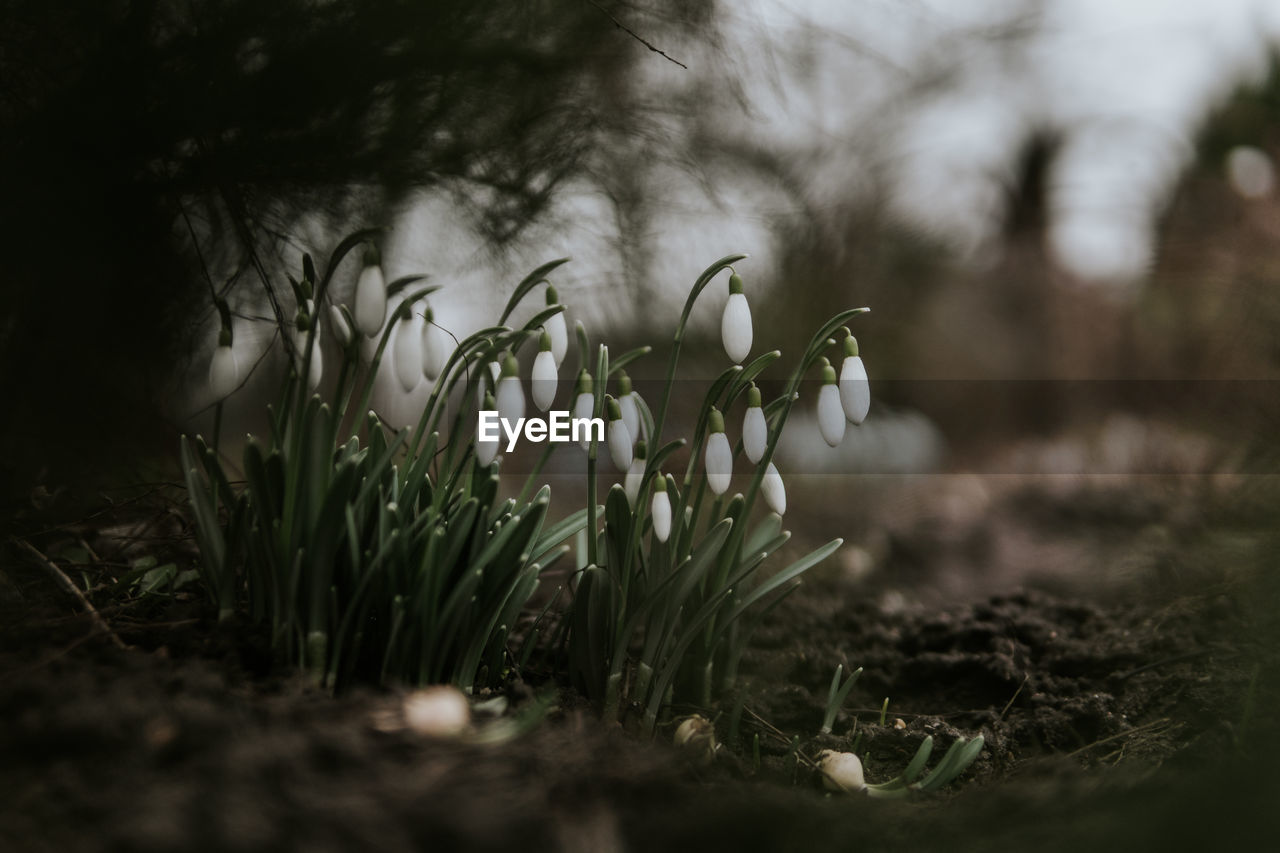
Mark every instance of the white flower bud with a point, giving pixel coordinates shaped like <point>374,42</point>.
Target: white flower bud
<point>407,351</point>
<point>855,389</point>
<point>437,711</point>
<point>735,325</point>
<point>634,479</point>
<point>557,329</point>
<point>339,326</point>
<point>619,437</point>
<point>510,394</point>
<point>584,406</point>
<point>755,431</point>
<point>696,736</point>
<point>660,508</point>
<point>830,414</point>
<point>224,372</point>
<point>544,375</point>
<point>775,493</point>
<point>316,369</point>
<point>719,456</point>
<point>437,346</point>
<point>628,406</point>
<point>371,296</point>
<point>841,771</point>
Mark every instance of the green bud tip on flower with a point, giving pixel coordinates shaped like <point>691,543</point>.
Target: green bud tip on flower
<point>428,315</point>
<point>489,402</point>
<point>642,449</point>
<point>611,406</point>
<point>372,256</point>
<point>304,288</point>
<point>753,397</point>
<point>544,341</point>
<point>585,384</point>
<point>716,420</point>
<point>659,483</point>
<point>510,367</point>
<point>553,298</point>
<point>850,346</point>
<point>624,383</point>
<point>735,283</point>
<point>828,373</point>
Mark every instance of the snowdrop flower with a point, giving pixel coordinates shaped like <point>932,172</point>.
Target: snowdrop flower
<point>544,373</point>
<point>440,711</point>
<point>306,311</point>
<point>697,737</point>
<point>775,494</point>
<point>556,328</point>
<point>830,412</point>
<point>841,771</point>
<point>627,403</point>
<point>437,346</point>
<point>660,508</point>
<point>340,325</point>
<point>224,370</point>
<point>510,394</point>
<point>719,457</point>
<point>855,390</point>
<point>619,438</point>
<point>495,371</point>
<point>735,325</point>
<point>755,432</point>
<point>407,353</point>
<point>584,405</point>
<point>486,450</point>
<point>371,295</point>
<point>635,474</point>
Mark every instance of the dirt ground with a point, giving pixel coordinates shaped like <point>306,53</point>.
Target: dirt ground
<point>1132,714</point>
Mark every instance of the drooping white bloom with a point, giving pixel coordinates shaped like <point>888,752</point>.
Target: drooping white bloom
<point>775,493</point>
<point>316,369</point>
<point>437,346</point>
<point>619,438</point>
<point>755,431</point>
<point>841,771</point>
<point>635,474</point>
<point>830,413</point>
<point>440,711</point>
<point>544,374</point>
<point>627,404</point>
<point>855,389</point>
<point>557,329</point>
<point>407,350</point>
<point>224,372</point>
<point>510,394</point>
<point>735,325</point>
<point>584,406</point>
<point>339,326</point>
<point>719,456</point>
<point>660,508</point>
<point>371,296</point>
<point>486,450</point>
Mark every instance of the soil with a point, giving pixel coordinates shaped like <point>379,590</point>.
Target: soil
<point>1136,714</point>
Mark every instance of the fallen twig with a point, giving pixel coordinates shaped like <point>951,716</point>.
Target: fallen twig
<point>69,585</point>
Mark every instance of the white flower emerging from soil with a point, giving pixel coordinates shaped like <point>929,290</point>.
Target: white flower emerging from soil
<point>544,374</point>
<point>340,326</point>
<point>855,389</point>
<point>437,711</point>
<point>437,346</point>
<point>584,405</point>
<point>627,404</point>
<point>510,394</point>
<point>696,736</point>
<point>407,352</point>
<point>719,456</point>
<point>224,369</point>
<point>755,431</point>
<point>556,328</point>
<point>830,413</point>
<point>775,494</point>
<point>486,450</point>
<point>619,437</point>
<point>371,296</point>
<point>735,325</point>
<point>841,771</point>
<point>660,508</point>
<point>635,474</point>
